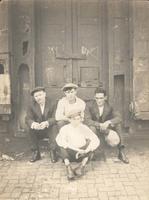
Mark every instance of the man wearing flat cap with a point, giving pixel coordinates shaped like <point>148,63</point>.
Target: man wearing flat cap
<point>77,143</point>
<point>68,103</point>
<point>41,122</point>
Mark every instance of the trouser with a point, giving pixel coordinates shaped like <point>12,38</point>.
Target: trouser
<point>71,155</point>
<point>37,135</point>
<point>111,136</point>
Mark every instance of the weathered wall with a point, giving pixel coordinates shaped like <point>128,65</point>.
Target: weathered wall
<point>119,61</point>
<point>22,25</point>
<point>5,96</point>
<point>140,64</point>
<point>124,66</point>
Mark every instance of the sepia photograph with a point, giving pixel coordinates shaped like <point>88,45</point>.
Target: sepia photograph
<point>74,99</point>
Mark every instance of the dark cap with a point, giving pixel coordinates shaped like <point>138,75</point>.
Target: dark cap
<point>68,86</point>
<point>37,89</point>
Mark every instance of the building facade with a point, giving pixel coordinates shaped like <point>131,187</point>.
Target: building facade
<point>88,42</point>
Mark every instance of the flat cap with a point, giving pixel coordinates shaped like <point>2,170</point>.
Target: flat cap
<point>73,113</point>
<point>37,89</point>
<point>69,85</point>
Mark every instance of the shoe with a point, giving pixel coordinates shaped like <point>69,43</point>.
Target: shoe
<point>79,171</point>
<point>122,156</point>
<point>35,156</point>
<point>53,156</point>
<point>70,173</point>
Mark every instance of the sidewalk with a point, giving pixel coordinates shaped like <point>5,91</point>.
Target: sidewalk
<point>110,180</point>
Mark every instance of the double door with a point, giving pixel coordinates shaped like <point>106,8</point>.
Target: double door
<point>68,45</point>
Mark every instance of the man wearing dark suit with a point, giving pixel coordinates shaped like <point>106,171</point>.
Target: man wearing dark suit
<point>102,119</point>
<point>41,123</point>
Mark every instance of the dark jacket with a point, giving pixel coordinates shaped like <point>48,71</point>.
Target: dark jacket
<point>34,113</point>
<point>92,114</point>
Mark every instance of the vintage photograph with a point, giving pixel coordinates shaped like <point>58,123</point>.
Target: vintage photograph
<point>74,99</point>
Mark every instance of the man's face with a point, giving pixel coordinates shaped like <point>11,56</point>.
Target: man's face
<point>40,96</point>
<point>100,99</point>
<point>70,94</point>
<point>76,120</point>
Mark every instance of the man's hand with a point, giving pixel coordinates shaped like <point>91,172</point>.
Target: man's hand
<point>104,126</point>
<point>44,125</point>
<point>35,126</point>
<point>40,126</point>
<point>80,153</point>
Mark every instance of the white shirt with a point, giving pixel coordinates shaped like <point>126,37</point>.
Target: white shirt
<point>70,136</point>
<point>64,107</point>
<point>100,110</point>
<point>42,106</point>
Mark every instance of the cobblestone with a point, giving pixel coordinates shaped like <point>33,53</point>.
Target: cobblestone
<point>42,180</point>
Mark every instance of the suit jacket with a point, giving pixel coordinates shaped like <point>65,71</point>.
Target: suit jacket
<point>34,113</point>
<point>92,114</point>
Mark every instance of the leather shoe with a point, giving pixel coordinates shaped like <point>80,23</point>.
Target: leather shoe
<point>70,173</point>
<point>53,156</point>
<point>35,156</point>
<point>79,171</point>
<point>123,157</point>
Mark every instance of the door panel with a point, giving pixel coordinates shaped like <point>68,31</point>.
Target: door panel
<point>118,52</point>
<point>54,25</point>
<point>69,45</point>
<point>88,35</point>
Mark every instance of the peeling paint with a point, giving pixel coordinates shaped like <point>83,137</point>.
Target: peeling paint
<point>26,23</point>
<point>116,26</point>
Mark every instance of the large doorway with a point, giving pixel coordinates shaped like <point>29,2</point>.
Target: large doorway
<point>68,45</point>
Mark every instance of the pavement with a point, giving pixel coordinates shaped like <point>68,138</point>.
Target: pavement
<point>108,179</point>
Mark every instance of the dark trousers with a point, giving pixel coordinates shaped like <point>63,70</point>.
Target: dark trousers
<point>101,135</point>
<point>71,155</point>
<point>37,135</point>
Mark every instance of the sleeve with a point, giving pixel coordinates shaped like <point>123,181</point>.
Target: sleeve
<point>51,120</point>
<point>94,141</point>
<point>88,117</point>
<point>61,138</point>
<point>29,119</point>
<point>59,115</point>
<point>83,109</point>
<point>116,118</point>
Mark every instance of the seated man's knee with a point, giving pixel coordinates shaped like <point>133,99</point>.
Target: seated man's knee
<point>112,138</point>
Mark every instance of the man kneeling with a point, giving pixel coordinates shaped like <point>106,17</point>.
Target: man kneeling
<point>77,143</point>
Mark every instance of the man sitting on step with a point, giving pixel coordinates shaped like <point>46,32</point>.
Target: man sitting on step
<point>41,123</point>
<point>104,120</point>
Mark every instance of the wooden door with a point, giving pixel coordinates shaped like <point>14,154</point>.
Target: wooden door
<point>68,45</point>
<point>119,64</point>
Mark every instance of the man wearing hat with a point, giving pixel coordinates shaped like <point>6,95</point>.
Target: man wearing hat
<point>68,103</point>
<point>77,143</point>
<point>103,120</point>
<point>41,122</point>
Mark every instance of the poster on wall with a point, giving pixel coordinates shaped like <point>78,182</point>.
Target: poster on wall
<point>5,97</point>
